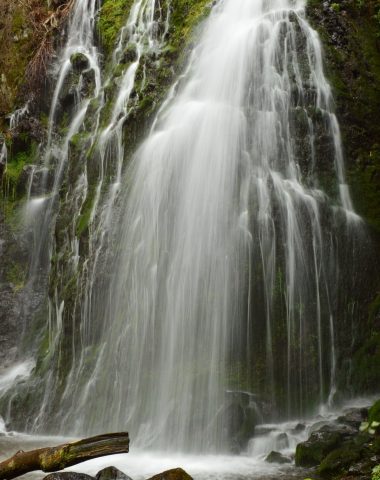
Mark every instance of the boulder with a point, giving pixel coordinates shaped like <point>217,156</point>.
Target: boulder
<point>339,461</point>
<point>300,427</point>
<point>173,474</point>
<point>282,441</point>
<point>111,473</point>
<point>321,443</point>
<point>79,61</point>
<point>353,417</point>
<point>68,476</point>
<point>277,457</point>
<point>129,54</point>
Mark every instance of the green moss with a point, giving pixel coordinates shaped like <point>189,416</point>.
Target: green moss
<point>374,413</point>
<point>338,461</point>
<point>16,275</point>
<point>312,452</point>
<point>14,167</point>
<point>86,212</point>
<point>186,15</point>
<point>112,17</point>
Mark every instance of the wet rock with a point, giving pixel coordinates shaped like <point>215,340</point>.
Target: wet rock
<point>277,457</point>
<point>353,417</point>
<point>69,90</point>
<point>261,430</point>
<point>240,415</point>
<point>321,443</point>
<point>282,441</point>
<point>173,474</point>
<point>129,54</point>
<point>68,476</point>
<point>339,460</point>
<point>79,61</point>
<point>111,473</point>
<point>88,83</point>
<point>300,427</point>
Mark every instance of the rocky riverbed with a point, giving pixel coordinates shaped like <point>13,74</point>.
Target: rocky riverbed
<point>344,444</point>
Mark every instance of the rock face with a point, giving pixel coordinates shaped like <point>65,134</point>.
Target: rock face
<point>350,36</point>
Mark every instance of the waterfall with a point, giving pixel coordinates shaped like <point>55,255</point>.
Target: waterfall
<point>211,286</point>
<point>226,243</point>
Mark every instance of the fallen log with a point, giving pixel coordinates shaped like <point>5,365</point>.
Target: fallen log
<point>52,459</point>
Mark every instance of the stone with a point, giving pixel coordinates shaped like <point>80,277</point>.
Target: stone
<point>129,54</point>
<point>111,473</point>
<point>173,474</point>
<point>338,461</point>
<point>68,476</point>
<point>321,443</point>
<point>353,417</point>
<point>282,441</point>
<point>300,427</point>
<point>79,61</point>
<point>277,457</point>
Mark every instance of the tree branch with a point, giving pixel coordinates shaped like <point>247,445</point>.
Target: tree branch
<point>52,459</point>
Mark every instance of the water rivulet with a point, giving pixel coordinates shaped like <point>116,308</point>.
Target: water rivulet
<point>210,295</point>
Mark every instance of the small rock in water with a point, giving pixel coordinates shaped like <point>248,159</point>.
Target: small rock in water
<point>79,61</point>
<point>111,473</point>
<point>282,441</point>
<point>300,427</point>
<point>173,474</point>
<point>277,457</point>
<point>68,476</point>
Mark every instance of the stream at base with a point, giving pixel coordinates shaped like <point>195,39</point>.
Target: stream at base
<point>251,464</point>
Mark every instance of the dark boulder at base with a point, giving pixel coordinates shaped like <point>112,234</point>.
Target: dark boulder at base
<point>173,474</point>
<point>277,457</point>
<point>68,476</point>
<point>111,473</point>
<point>321,443</point>
<point>339,460</point>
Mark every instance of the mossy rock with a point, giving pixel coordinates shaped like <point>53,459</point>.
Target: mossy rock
<point>79,61</point>
<point>315,449</point>
<point>339,461</point>
<point>374,413</point>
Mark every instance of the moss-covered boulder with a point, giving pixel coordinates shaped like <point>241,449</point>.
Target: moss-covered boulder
<point>339,460</point>
<point>320,444</point>
<point>79,61</point>
<point>173,474</point>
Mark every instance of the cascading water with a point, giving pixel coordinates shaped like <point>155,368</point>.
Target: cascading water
<point>228,239</point>
<point>227,244</point>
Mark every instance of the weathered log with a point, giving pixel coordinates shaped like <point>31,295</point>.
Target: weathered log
<point>52,459</point>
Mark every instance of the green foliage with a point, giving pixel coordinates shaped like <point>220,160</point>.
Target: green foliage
<point>376,473</point>
<point>374,413</point>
